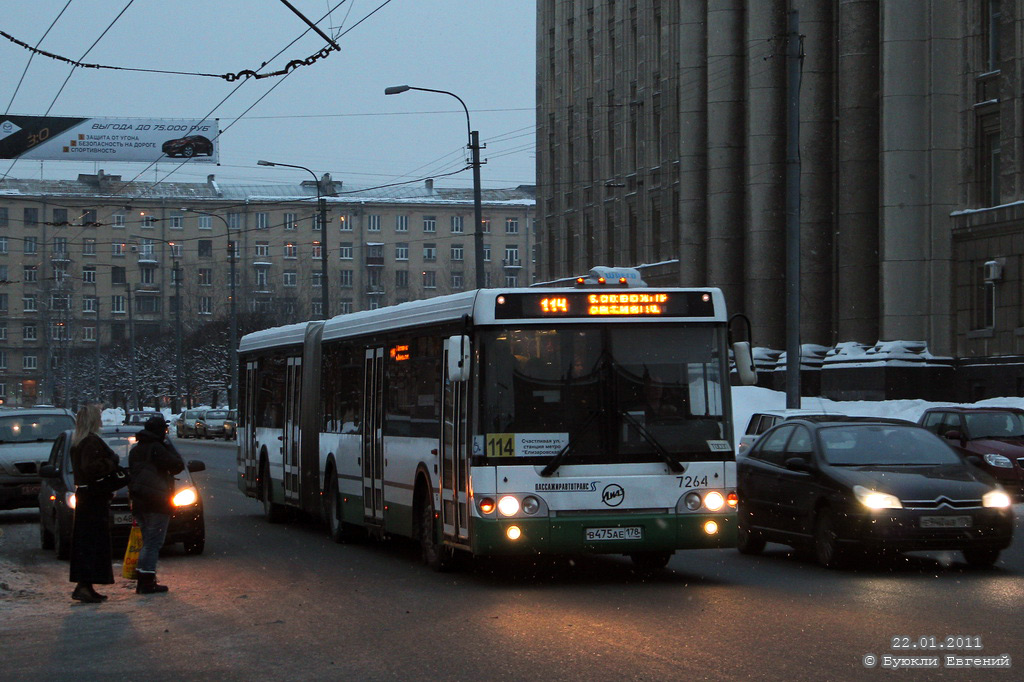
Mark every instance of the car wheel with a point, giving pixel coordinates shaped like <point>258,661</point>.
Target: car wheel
<point>195,546</point>
<point>748,541</point>
<point>273,512</point>
<point>188,151</point>
<point>434,554</point>
<point>62,540</point>
<point>827,549</point>
<point>649,562</point>
<point>46,539</point>
<point>981,557</point>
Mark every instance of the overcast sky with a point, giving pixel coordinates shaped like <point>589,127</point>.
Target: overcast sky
<point>331,116</point>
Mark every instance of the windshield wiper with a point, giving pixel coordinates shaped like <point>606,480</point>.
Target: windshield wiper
<point>669,459</point>
<point>556,461</point>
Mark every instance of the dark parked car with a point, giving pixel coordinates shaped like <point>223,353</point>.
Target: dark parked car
<point>994,434</point>
<point>57,498</point>
<point>26,435</point>
<point>831,485</point>
<point>216,424</point>
<point>140,417</point>
<point>192,145</point>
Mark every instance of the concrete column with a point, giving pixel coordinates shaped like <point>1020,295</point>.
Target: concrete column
<point>858,166</point>
<point>692,144</point>
<point>817,177</point>
<point>726,158</point>
<point>765,222</point>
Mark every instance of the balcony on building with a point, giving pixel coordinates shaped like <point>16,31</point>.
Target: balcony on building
<point>148,258</point>
<point>375,254</point>
<point>375,289</point>
<point>60,256</point>
<point>512,263</point>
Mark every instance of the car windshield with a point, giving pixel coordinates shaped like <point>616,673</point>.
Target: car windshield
<point>33,428</point>
<point>883,445</point>
<point>995,425</point>
<point>120,441</point>
<point>616,393</point>
<point>217,414</point>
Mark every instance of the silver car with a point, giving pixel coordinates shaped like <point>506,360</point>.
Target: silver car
<point>26,436</point>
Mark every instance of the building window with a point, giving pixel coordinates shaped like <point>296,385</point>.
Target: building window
<point>205,305</point>
<point>88,218</point>
<point>401,279</point>
<point>3,303</point>
<point>118,275</point>
<point>316,222</point>
<point>291,251</point>
<point>487,225</point>
<point>988,159</point>
<point>89,247</point>
<point>147,304</point>
<point>317,279</point>
<point>3,363</point>
<point>118,220</point>
<point>205,248</point>
<point>289,278</point>
<point>177,222</point>
<point>30,217</point>
<point>429,279</point>
<point>28,303</point>
<point>402,251</point>
<point>457,252</point>
<point>345,278</point>
<point>3,332</point>
<point>512,254</point>
<point>147,275</point>
<point>206,222</point>
<point>344,224</point>
<point>511,225</point>
<point>89,274</point>
<point>60,273</point>
<point>345,250</point>
<point>512,280</point>
<point>29,362</point>
<point>88,333</point>
<point>146,248</point>
<point>148,221</point>
<point>262,221</point>
<point>373,223</point>
<point>4,220</point>
<point>430,252</point>
<point>117,304</point>
<point>60,301</point>
<point>429,223</point>
<point>30,273</point>
<point>317,251</point>
<point>990,33</point>
<point>487,253</point>
<point>60,216</point>
<point>32,246</point>
<point>262,278</point>
<point>117,249</point>
<point>205,277</point>
<point>28,332</point>
<point>457,281</point>
<point>289,221</point>
<point>176,250</point>
<point>262,249</point>
<point>457,224</point>
<point>3,244</point>
<point>401,223</point>
<point>317,307</point>
<point>234,221</point>
<point>345,305</point>
<point>89,304</point>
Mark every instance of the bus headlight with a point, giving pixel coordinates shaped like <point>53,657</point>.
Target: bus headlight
<point>710,527</point>
<point>185,497</point>
<point>714,500</point>
<point>508,506</point>
<point>486,505</point>
<point>531,505</point>
<point>513,533</point>
<point>692,501</point>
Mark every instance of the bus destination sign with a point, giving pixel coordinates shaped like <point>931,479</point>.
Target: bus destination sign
<point>590,304</point>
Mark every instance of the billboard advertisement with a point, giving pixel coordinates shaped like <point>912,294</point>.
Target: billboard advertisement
<point>67,138</point>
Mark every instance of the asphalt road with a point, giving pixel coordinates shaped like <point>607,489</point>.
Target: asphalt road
<point>283,602</point>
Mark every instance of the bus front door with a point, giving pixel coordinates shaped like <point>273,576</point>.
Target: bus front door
<point>247,447</point>
<point>454,481</point>
<point>373,447</point>
<point>292,433</point>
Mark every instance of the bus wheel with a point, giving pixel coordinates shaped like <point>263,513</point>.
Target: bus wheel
<point>435,555</point>
<point>648,562</point>
<point>273,512</point>
<point>339,531</point>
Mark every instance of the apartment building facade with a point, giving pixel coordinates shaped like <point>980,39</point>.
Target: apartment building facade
<point>85,262</point>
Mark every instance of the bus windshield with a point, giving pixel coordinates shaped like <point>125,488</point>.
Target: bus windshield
<point>613,393</point>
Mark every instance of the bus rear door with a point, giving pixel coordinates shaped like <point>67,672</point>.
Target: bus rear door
<point>373,448</point>
<point>454,483</point>
<point>247,444</point>
<point>292,433</point>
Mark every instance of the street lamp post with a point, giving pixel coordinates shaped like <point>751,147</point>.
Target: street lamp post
<point>322,204</point>
<point>474,147</point>
<point>233,351</point>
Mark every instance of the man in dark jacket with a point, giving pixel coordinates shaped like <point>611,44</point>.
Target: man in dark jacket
<point>153,463</point>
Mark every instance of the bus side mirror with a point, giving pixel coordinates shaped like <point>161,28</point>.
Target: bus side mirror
<point>745,369</point>
<point>458,358</point>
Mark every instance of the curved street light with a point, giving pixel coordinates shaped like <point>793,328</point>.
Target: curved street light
<point>474,146</point>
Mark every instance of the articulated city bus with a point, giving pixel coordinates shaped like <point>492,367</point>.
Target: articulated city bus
<point>502,422</point>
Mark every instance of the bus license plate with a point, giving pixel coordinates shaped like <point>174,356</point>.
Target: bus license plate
<point>945,521</point>
<point>123,519</point>
<point>627,533</point>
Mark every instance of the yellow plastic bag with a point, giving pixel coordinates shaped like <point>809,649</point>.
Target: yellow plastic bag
<point>131,555</point>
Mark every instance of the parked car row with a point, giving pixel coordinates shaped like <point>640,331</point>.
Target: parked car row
<point>208,423</point>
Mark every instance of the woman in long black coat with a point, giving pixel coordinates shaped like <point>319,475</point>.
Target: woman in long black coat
<point>91,459</point>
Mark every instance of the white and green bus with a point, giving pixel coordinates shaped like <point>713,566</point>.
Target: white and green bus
<point>502,422</point>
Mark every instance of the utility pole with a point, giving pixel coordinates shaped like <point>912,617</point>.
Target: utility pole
<point>99,337</point>
<point>794,57</point>
<point>134,404</point>
<point>177,331</point>
<point>478,212</point>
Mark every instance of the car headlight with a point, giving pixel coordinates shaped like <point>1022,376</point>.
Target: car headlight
<point>70,500</point>
<point>872,499</point>
<point>994,460</point>
<point>185,497</point>
<point>996,498</point>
